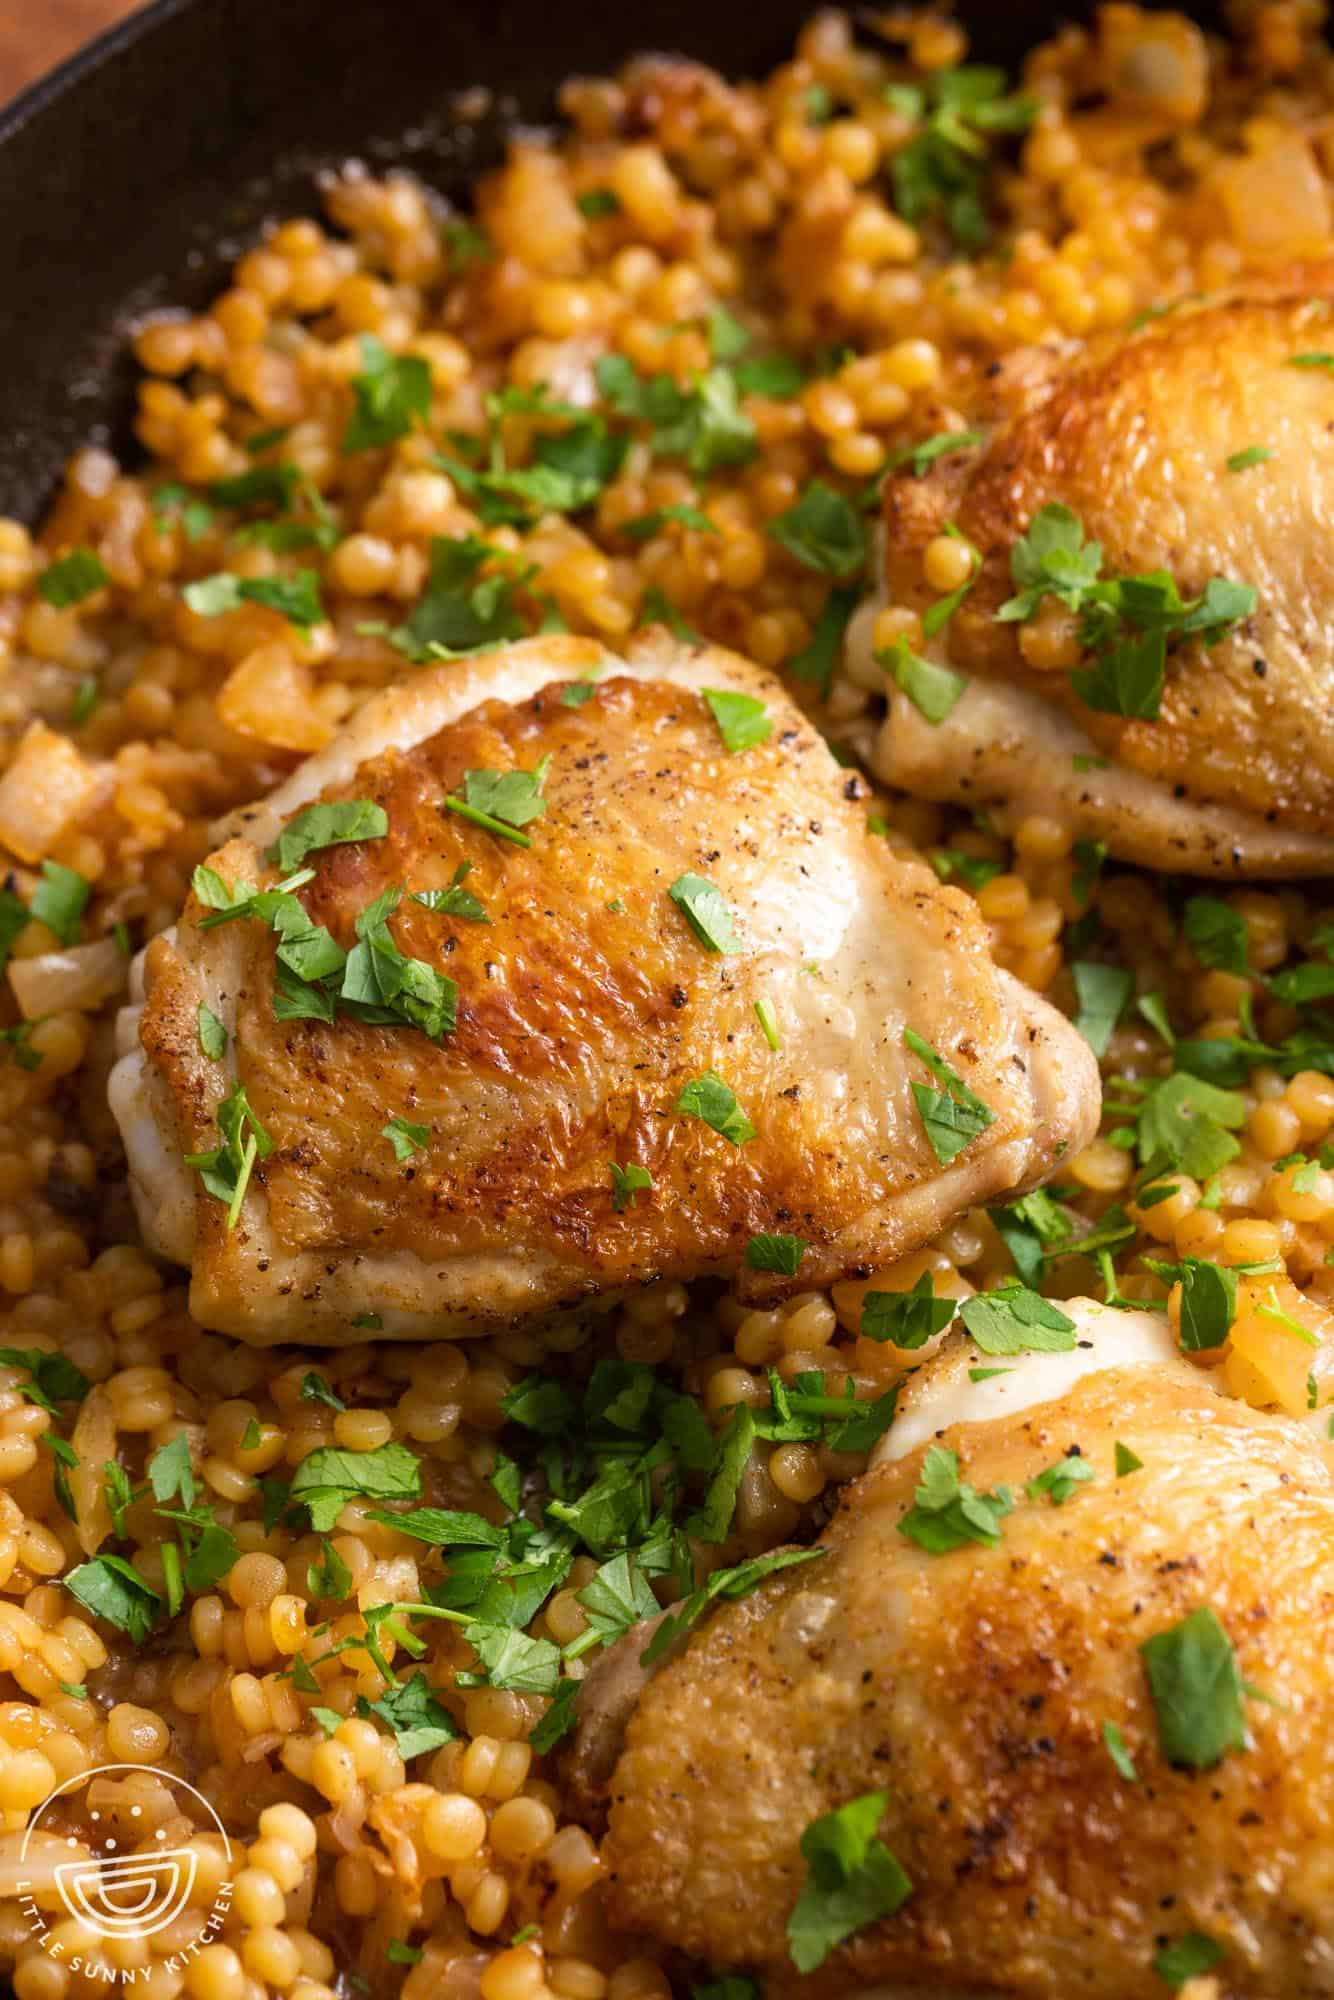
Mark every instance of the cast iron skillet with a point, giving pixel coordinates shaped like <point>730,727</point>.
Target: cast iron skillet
<point>129,176</point>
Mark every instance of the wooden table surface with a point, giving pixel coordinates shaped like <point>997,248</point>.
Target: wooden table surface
<point>35,34</point>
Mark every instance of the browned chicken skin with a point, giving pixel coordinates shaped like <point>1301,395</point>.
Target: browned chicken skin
<point>1134,433</point>
<point>973,1688</point>
<point>585,1006</point>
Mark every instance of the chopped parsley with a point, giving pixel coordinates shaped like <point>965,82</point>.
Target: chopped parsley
<point>1103,993</point>
<point>1197,1690</point>
<point>503,802</point>
<point>71,578</point>
<point>704,424</point>
<point>405,1137</point>
<point>952,1116</point>
<point>390,395</point>
<point>418,1722</point>
<point>743,720</point>
<point>728,1584</point>
<point>1014,1320</point>
<point>330,824</point>
<point>460,611</point>
<point>1208,1304</point>
<point>1254,454</point>
<point>455,901</point>
<point>1061,1481</point>
<point>780,1254</point>
<point>626,1183</point>
<point>644,526</point>
<point>226,1170</point>
<point>942,173</point>
<point>852,1880</point>
<point>714,1103</point>
<point>704,909</point>
<point>824,531</point>
<point>817,659</point>
<point>919,458</point>
<point>932,689</point>
<point>907,1319</point>
<point>1127,623</point>
<point>328,1477</point>
<point>212,1034</point>
<point>1216,933</point>
<point>947,1513</point>
<point>768,1020</point>
<point>59,901</point>
<point>295,598</point>
<point>1126,1461</point>
<point>594,203</point>
<point>1188,1958</point>
<point>1117,1751</point>
<point>110,1588</point>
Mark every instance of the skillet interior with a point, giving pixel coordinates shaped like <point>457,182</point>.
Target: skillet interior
<point>128,177</point>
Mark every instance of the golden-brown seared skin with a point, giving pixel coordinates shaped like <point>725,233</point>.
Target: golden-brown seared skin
<point>585,1004</point>
<point>1134,433</point>
<point>973,1687</point>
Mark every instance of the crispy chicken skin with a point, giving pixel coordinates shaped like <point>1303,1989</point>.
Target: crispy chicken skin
<point>585,1004</point>
<point>1134,432</point>
<point>973,1687</point>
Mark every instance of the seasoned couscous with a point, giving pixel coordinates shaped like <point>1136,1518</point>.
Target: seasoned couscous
<point>803,267</point>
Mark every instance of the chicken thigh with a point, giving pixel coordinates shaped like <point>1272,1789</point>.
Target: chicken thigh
<point>1065,1806</point>
<point>681,996</point>
<point>1200,445</point>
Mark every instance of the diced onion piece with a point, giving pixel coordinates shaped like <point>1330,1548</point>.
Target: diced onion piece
<point>80,979</point>
<point>1277,201</point>
<point>1268,1363</point>
<point>94,1441</point>
<point>1156,64</point>
<point>270,695</point>
<point>45,789</point>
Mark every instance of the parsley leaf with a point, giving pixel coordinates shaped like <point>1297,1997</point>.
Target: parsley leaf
<point>315,1389</point>
<point>743,720</point>
<point>327,825</point>
<point>295,598</point>
<point>1061,1481</point>
<point>1014,1320</point>
<point>824,531</point>
<point>405,1137</point>
<point>817,659</point>
<point>1188,1958</point>
<point>714,1103</point>
<point>920,457</point>
<point>711,1520</point>
<point>852,1880</point>
<point>932,689</point>
<point>503,801</point>
<point>59,901</point>
<point>1197,1689</point>
<point>1103,992</point>
<point>455,901</point>
<point>626,1182</point>
<point>109,1588</point>
<point>1216,933</point>
<point>907,1319</point>
<point>953,1116</point>
<point>71,578</point>
<point>460,611</point>
<point>947,1513</point>
<point>1208,1304</point>
<point>1117,1751</point>
<point>708,915</point>
<point>212,1034</point>
<point>225,1172</point>
<point>328,1477</point>
<point>781,1254</point>
<point>392,392</point>
<point>729,1584</point>
<point>418,1720</point>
